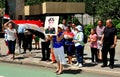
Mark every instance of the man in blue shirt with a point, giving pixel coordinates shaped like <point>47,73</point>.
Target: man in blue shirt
<point>21,30</point>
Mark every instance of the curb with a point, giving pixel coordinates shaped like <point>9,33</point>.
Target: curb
<point>44,64</point>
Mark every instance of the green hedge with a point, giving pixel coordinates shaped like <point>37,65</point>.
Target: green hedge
<point>118,30</point>
<point>87,29</point>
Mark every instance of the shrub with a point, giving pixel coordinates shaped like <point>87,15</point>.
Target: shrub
<point>118,30</point>
<point>87,29</point>
<point>115,22</point>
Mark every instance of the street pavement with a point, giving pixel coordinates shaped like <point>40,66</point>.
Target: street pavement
<point>34,58</point>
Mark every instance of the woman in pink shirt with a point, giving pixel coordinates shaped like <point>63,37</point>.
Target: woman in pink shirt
<point>93,44</point>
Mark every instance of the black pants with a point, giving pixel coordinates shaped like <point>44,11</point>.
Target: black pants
<point>27,42</point>
<point>105,51</point>
<point>20,38</point>
<point>45,50</point>
<point>94,54</point>
<point>11,46</point>
<point>79,54</point>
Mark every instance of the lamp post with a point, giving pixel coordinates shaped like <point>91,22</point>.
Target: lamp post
<point>93,4</point>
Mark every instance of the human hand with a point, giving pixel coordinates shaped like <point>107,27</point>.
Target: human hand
<point>74,41</point>
<point>113,46</point>
<point>100,43</point>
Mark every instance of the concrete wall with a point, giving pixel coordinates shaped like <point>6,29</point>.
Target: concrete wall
<point>87,19</point>
<point>19,8</point>
<point>35,10</point>
<point>55,8</point>
<point>27,10</point>
<point>63,7</point>
<point>16,8</point>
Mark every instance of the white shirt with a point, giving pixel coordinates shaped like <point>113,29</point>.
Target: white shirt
<point>10,34</point>
<point>74,31</point>
<point>5,35</point>
<point>79,37</point>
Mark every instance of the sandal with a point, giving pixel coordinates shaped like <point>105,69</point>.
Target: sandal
<point>56,71</point>
<point>60,72</point>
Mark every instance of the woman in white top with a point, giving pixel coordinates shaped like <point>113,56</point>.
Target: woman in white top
<point>79,45</point>
<point>11,37</point>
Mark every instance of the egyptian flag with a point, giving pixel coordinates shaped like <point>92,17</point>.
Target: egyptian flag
<point>34,26</point>
<point>6,16</point>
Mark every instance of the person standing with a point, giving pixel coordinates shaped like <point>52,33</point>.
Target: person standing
<point>5,39</point>
<point>52,51</point>
<point>11,37</point>
<point>79,46</point>
<point>27,42</point>
<point>69,45</point>
<point>93,44</point>
<point>37,39</point>
<point>109,41</point>
<point>21,30</point>
<point>73,29</point>
<point>45,48</point>
<point>99,31</point>
<point>64,24</point>
<point>58,43</point>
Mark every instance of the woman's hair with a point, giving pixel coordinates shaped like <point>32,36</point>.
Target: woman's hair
<point>69,28</point>
<point>94,29</point>
<point>10,23</point>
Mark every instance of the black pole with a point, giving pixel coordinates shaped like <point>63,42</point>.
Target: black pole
<point>93,13</point>
<point>6,7</point>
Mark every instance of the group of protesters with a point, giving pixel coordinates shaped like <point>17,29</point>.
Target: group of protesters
<point>22,37</point>
<point>69,40</point>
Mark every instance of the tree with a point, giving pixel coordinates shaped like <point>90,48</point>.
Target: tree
<point>108,9</point>
<point>103,8</point>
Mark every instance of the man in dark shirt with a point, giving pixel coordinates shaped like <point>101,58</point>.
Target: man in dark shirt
<point>109,40</point>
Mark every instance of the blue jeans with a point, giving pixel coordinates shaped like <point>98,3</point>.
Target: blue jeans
<point>11,46</point>
<point>79,54</point>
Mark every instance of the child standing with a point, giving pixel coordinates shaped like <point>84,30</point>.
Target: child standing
<point>37,39</point>
<point>93,44</point>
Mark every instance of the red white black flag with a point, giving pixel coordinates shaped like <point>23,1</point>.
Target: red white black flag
<point>6,16</point>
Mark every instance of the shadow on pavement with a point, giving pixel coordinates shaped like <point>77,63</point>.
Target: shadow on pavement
<point>3,55</point>
<point>117,66</point>
<point>72,71</point>
<point>89,65</point>
<point>38,57</point>
<point>20,57</point>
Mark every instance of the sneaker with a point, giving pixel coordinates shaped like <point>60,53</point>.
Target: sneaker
<point>77,64</point>
<point>80,65</point>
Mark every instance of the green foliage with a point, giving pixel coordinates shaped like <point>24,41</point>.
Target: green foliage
<point>87,29</point>
<point>33,2</point>
<point>2,4</point>
<point>108,9</point>
<point>76,21</point>
<point>115,22</point>
<point>118,30</point>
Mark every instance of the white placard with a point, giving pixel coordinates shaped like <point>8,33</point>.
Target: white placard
<point>51,25</point>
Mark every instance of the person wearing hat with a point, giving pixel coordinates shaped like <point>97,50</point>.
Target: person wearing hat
<point>79,45</point>
<point>58,42</point>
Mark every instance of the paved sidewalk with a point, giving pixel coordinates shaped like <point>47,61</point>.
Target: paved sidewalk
<point>34,58</point>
